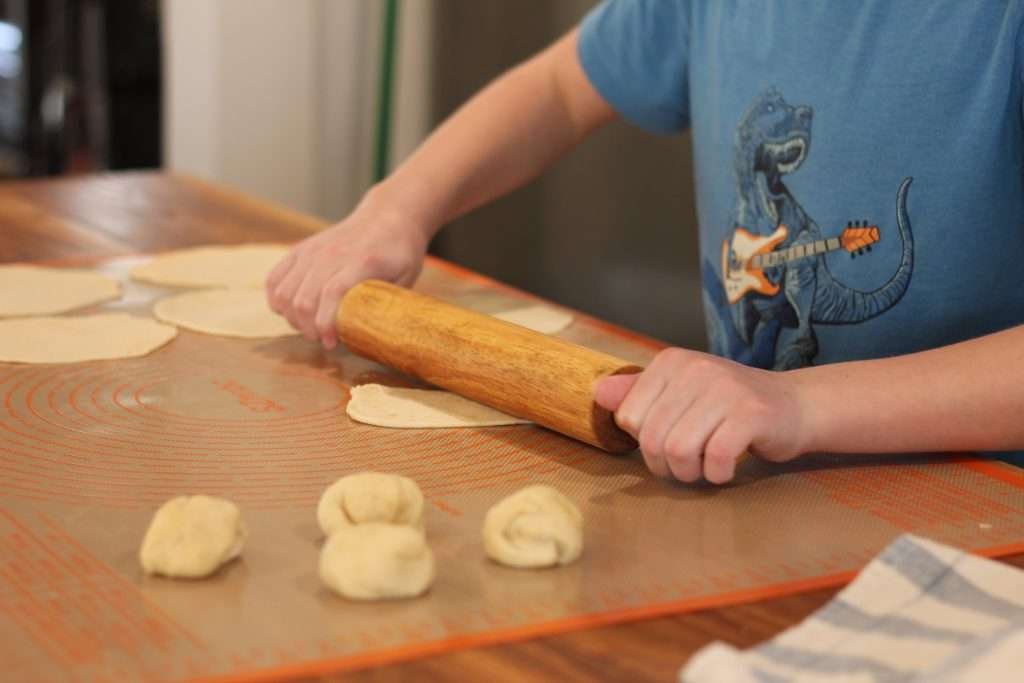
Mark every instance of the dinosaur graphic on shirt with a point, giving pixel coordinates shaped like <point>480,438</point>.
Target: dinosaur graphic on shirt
<point>773,283</point>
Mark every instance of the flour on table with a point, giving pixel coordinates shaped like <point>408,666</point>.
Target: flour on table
<point>192,536</point>
<point>224,312</point>
<point>377,561</point>
<point>383,406</point>
<point>102,336</point>
<point>245,265</point>
<point>32,290</point>
<point>370,497</point>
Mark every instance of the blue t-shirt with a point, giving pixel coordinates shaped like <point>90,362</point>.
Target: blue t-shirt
<point>858,165</point>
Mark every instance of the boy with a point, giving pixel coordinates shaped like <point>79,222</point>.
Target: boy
<point>915,111</point>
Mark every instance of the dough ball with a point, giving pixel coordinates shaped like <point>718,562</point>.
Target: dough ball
<point>534,527</point>
<point>376,561</point>
<point>191,536</point>
<point>370,497</point>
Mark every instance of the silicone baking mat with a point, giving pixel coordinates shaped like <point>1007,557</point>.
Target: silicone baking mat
<point>88,451</point>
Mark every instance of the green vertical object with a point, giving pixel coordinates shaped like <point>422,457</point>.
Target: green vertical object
<point>387,69</point>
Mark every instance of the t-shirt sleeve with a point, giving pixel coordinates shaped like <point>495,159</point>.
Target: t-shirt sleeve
<point>635,53</point>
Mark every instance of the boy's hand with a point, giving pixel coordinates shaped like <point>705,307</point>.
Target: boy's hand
<point>693,414</point>
<point>307,285</point>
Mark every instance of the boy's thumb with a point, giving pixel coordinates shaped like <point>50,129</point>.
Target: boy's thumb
<point>610,392</point>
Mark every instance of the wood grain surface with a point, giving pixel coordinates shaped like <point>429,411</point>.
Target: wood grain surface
<point>111,214</point>
<point>114,214</point>
<point>524,373</point>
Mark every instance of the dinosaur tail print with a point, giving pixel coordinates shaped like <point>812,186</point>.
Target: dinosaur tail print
<point>836,303</point>
<point>773,286</point>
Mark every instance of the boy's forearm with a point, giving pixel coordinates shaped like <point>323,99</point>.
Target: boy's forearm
<point>502,138</point>
<point>964,397</point>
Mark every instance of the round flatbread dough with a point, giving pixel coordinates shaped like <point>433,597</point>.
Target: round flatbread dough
<point>383,406</point>
<point>377,561</point>
<point>538,318</point>
<point>72,340</point>
<point>370,497</point>
<point>244,265</point>
<point>31,290</point>
<point>192,536</point>
<point>535,527</point>
<point>225,313</point>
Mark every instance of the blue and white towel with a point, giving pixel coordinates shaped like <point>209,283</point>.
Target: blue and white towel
<point>918,612</point>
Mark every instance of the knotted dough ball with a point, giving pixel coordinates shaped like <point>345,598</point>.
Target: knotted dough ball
<point>192,536</point>
<point>376,561</point>
<point>535,527</point>
<point>370,497</point>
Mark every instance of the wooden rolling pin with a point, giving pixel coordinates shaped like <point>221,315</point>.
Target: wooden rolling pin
<point>518,371</point>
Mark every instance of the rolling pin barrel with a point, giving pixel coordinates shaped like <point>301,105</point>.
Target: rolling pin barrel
<point>530,375</point>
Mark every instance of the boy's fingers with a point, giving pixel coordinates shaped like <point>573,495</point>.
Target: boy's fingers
<point>723,451</point>
<point>306,303</point>
<point>657,465</point>
<point>278,272</point>
<point>667,410</point>
<point>611,391</point>
<point>284,294</point>
<point>275,286</point>
<point>685,444</point>
<point>632,412</point>
<point>327,312</point>
<point>684,466</point>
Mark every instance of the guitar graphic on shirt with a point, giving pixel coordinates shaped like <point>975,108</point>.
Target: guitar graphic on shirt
<point>746,255</point>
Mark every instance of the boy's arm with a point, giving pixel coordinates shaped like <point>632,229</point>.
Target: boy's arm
<point>502,138</point>
<point>964,397</point>
<point>695,414</point>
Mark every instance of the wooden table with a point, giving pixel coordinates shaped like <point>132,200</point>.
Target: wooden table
<point>111,215</point>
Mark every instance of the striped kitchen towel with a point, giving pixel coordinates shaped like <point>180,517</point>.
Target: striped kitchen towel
<point>918,612</point>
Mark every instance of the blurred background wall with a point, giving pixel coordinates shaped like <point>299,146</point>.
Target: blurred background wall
<point>280,99</point>
<point>611,229</point>
<point>80,86</point>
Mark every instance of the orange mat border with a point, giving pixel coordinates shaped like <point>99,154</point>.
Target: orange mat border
<point>1002,471</point>
<point>405,653</point>
<point>1007,474</point>
<point>502,636</point>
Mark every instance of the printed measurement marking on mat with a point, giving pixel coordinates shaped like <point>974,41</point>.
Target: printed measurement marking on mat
<point>83,615</point>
